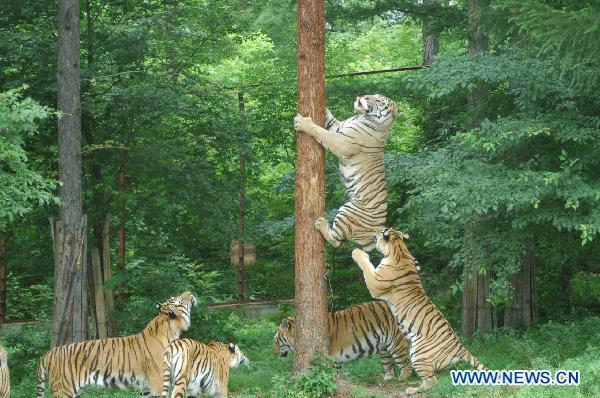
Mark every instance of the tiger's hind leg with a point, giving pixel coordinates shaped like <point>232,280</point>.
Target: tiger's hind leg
<point>426,372</point>
<point>388,362</point>
<point>400,353</point>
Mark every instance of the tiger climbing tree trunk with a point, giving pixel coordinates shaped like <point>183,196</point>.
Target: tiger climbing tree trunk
<point>476,311</point>
<point>69,316</point>
<point>311,287</point>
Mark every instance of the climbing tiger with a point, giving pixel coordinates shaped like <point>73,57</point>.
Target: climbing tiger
<point>434,345</point>
<point>358,142</point>
<point>359,331</point>
<point>197,368</point>
<point>118,362</point>
<point>4,376</point>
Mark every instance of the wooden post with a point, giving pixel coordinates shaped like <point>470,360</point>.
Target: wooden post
<point>311,286</point>
<point>240,275</point>
<point>122,224</point>
<point>107,274</point>
<point>3,274</point>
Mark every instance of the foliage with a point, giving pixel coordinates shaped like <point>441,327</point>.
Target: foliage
<point>316,382</point>
<point>22,186</point>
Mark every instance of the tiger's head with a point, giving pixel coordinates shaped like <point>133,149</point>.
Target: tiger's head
<point>284,337</point>
<point>390,243</point>
<point>234,356</point>
<point>179,310</point>
<point>378,107</point>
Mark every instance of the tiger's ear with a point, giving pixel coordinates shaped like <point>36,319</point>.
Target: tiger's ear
<point>231,348</point>
<point>395,111</point>
<point>158,307</point>
<point>285,323</point>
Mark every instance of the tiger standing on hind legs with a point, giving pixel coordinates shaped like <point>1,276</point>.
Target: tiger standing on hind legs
<point>433,344</point>
<point>118,362</point>
<point>358,142</point>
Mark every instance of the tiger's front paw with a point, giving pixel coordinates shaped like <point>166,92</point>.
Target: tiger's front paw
<point>302,123</point>
<point>328,116</point>
<point>321,224</point>
<point>412,390</point>
<point>359,257</point>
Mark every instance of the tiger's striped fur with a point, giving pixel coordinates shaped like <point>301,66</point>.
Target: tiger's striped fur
<point>196,368</point>
<point>434,345</point>
<point>359,331</point>
<point>119,362</point>
<point>4,375</point>
<point>358,142</point>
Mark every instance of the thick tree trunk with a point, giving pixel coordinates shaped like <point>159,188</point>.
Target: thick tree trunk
<point>521,310</point>
<point>430,38</point>
<point>476,312</point>
<point>311,286</point>
<point>69,318</point>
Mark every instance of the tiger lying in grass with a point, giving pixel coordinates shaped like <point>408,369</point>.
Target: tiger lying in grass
<point>196,368</point>
<point>359,331</point>
<point>118,362</point>
<point>433,344</point>
<point>358,142</point>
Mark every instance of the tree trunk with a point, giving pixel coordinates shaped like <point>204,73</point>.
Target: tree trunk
<point>122,225</point>
<point>476,312</point>
<point>311,286</point>
<point>3,274</point>
<point>430,38</point>
<point>69,318</point>
<point>521,309</point>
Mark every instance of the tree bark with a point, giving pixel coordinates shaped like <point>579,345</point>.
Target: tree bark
<point>311,286</point>
<point>69,318</point>
<point>476,312</point>
<point>430,38</point>
<point>521,310</point>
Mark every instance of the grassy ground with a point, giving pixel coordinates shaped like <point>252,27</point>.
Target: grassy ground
<point>549,346</point>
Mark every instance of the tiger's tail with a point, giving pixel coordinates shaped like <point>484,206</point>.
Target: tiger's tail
<point>42,371</point>
<point>474,362</point>
<point>167,356</point>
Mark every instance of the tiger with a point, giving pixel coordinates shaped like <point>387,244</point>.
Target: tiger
<point>433,344</point>
<point>359,331</point>
<point>198,368</point>
<point>118,362</point>
<point>358,142</point>
<point>4,374</point>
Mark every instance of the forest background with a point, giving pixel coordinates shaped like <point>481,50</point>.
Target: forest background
<point>493,169</point>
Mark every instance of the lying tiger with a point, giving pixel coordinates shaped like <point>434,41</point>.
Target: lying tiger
<point>118,362</point>
<point>196,368</point>
<point>4,376</point>
<point>359,331</point>
<point>434,345</point>
<point>358,142</point>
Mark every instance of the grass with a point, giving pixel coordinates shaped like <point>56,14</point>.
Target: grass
<point>549,346</point>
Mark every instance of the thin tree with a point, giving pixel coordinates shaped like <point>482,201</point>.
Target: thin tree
<point>430,36</point>
<point>69,317</point>
<point>311,287</point>
<point>476,311</point>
